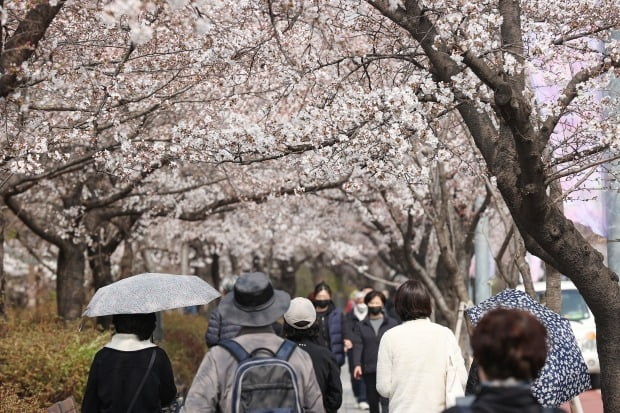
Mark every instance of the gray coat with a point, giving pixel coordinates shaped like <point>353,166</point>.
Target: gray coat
<point>212,386</point>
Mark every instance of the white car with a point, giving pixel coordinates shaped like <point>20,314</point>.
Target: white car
<point>577,312</point>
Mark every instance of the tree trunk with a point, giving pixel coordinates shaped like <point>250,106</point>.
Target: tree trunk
<point>553,290</point>
<point>287,277</point>
<point>215,270</point>
<point>101,267</point>
<point>100,263</point>
<point>2,273</point>
<point>70,281</point>
<point>126,260</point>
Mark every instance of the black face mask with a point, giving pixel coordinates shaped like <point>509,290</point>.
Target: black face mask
<point>375,310</point>
<point>321,303</point>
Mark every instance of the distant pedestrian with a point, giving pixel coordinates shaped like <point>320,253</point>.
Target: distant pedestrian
<point>300,326</point>
<point>358,312</point>
<point>420,366</point>
<point>255,306</point>
<point>330,321</point>
<point>130,373</point>
<point>366,338</point>
<point>510,347</point>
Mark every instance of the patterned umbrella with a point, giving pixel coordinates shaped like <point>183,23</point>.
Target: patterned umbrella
<point>148,293</point>
<point>565,374</point>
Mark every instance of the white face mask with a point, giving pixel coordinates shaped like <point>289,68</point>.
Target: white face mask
<point>361,308</point>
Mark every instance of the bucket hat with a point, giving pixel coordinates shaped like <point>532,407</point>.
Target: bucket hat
<point>253,302</point>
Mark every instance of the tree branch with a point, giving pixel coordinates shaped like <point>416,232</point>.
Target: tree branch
<point>22,44</point>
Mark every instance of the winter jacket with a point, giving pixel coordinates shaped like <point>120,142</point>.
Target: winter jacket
<point>513,399</point>
<point>415,359</point>
<point>211,390</point>
<point>331,331</point>
<point>116,373</point>
<point>327,374</point>
<point>219,329</point>
<point>366,343</point>
<point>349,323</point>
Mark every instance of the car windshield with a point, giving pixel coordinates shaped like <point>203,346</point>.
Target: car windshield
<point>574,307</point>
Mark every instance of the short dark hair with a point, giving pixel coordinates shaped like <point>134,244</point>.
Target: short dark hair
<point>510,343</point>
<point>322,286</point>
<point>372,294</point>
<point>141,325</point>
<point>412,301</point>
<point>296,334</point>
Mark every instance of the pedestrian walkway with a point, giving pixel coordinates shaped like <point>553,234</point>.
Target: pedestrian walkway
<point>349,404</point>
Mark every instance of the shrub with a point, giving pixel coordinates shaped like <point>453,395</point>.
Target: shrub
<point>44,359</point>
<point>185,344</point>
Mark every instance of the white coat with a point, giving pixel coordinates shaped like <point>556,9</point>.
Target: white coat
<point>414,363</point>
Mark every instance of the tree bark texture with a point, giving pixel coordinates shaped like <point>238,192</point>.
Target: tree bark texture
<point>70,281</point>
<point>2,273</point>
<point>23,42</point>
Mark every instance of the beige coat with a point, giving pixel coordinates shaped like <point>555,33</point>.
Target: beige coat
<point>416,361</point>
<point>212,385</point>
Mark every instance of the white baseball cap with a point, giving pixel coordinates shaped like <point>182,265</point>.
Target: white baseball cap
<point>301,313</point>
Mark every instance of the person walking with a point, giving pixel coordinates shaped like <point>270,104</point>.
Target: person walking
<point>420,367</point>
<point>130,373</point>
<point>300,326</point>
<point>510,347</point>
<point>330,321</point>
<point>366,338</point>
<point>358,312</point>
<point>253,304</point>
<point>219,329</point>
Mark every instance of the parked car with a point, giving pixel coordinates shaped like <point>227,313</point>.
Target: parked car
<point>577,312</point>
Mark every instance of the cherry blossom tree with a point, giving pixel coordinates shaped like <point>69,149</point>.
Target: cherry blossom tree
<point>328,89</point>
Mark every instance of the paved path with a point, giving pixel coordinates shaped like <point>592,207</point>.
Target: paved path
<point>348,400</point>
<point>591,402</point>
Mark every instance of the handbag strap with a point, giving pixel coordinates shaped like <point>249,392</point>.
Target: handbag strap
<point>146,375</point>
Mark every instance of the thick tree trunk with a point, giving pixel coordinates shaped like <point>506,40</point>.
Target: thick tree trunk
<point>215,270</point>
<point>2,273</point>
<point>70,281</point>
<point>287,277</point>
<point>100,264</point>
<point>553,290</point>
<point>101,267</point>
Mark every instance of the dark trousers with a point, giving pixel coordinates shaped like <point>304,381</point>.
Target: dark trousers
<point>358,386</point>
<point>374,399</point>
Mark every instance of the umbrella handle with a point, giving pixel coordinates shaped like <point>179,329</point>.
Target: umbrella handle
<point>575,405</point>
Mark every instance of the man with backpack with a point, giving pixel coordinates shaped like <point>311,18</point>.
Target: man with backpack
<point>257,370</point>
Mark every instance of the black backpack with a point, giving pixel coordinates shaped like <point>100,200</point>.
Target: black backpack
<point>264,384</point>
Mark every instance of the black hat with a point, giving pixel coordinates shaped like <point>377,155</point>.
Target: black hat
<point>254,302</point>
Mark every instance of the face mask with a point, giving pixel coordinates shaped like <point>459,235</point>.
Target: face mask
<point>361,308</point>
<point>321,303</point>
<point>375,310</point>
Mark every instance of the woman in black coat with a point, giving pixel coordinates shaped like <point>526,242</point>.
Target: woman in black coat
<point>366,338</point>
<point>300,326</point>
<point>120,367</point>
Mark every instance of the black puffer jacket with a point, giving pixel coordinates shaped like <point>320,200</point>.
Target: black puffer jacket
<point>366,343</point>
<point>327,374</point>
<point>517,399</point>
